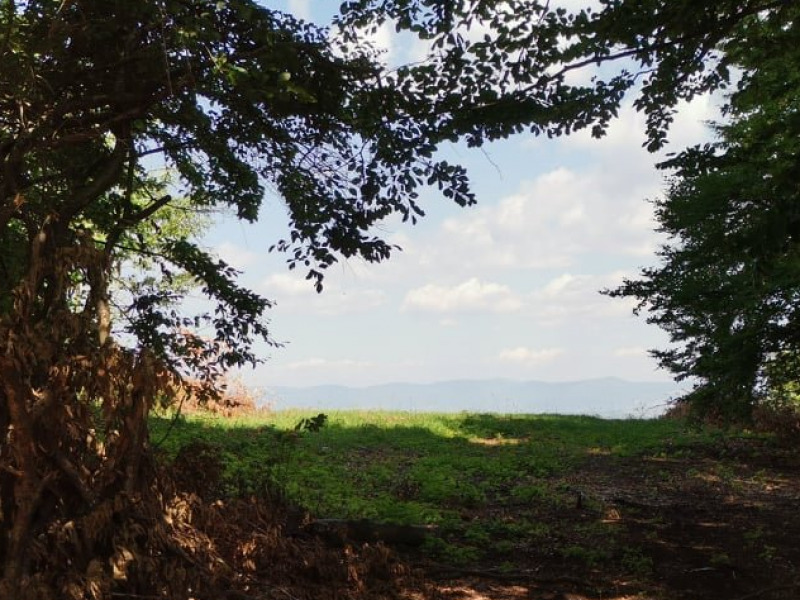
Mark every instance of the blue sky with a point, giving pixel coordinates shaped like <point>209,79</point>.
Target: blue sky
<point>508,288</point>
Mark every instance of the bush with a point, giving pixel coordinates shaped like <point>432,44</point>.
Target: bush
<point>780,419</point>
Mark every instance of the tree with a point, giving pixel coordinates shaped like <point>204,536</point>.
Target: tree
<point>728,287</point>
<point>235,99</point>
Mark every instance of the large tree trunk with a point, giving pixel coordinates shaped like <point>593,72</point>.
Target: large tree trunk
<point>25,484</point>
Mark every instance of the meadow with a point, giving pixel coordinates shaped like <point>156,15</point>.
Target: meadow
<point>602,508</point>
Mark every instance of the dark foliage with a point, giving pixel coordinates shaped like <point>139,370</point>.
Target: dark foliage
<point>728,288</point>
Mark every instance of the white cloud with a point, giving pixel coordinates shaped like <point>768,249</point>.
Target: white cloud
<point>285,284</point>
<point>551,222</point>
<point>571,297</point>
<point>630,352</point>
<point>570,213</point>
<point>300,9</point>
<point>529,357</point>
<point>626,134</point>
<point>382,38</point>
<point>558,286</point>
<point>293,293</point>
<point>236,256</point>
<point>471,295</point>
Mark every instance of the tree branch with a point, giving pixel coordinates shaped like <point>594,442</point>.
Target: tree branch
<point>105,179</point>
<point>73,475</point>
<point>128,221</point>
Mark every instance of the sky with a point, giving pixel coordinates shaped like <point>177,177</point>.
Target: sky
<point>506,289</point>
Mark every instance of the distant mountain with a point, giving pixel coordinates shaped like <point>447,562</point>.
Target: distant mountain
<point>608,397</point>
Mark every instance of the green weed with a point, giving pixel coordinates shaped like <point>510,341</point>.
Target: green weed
<point>637,563</point>
<point>591,557</point>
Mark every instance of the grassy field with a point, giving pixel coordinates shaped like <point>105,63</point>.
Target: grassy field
<point>456,472</point>
<point>653,507</point>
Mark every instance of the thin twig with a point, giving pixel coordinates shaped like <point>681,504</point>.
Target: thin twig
<point>283,591</point>
<point>173,422</point>
<point>488,157</point>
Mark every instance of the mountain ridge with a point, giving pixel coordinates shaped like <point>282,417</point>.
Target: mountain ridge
<point>611,397</point>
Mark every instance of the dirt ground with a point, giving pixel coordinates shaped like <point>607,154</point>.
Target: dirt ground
<point>711,524</point>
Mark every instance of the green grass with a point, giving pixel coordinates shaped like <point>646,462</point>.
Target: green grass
<point>464,473</point>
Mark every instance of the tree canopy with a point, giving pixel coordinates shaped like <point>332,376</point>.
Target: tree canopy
<point>728,287</point>
<point>237,101</point>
